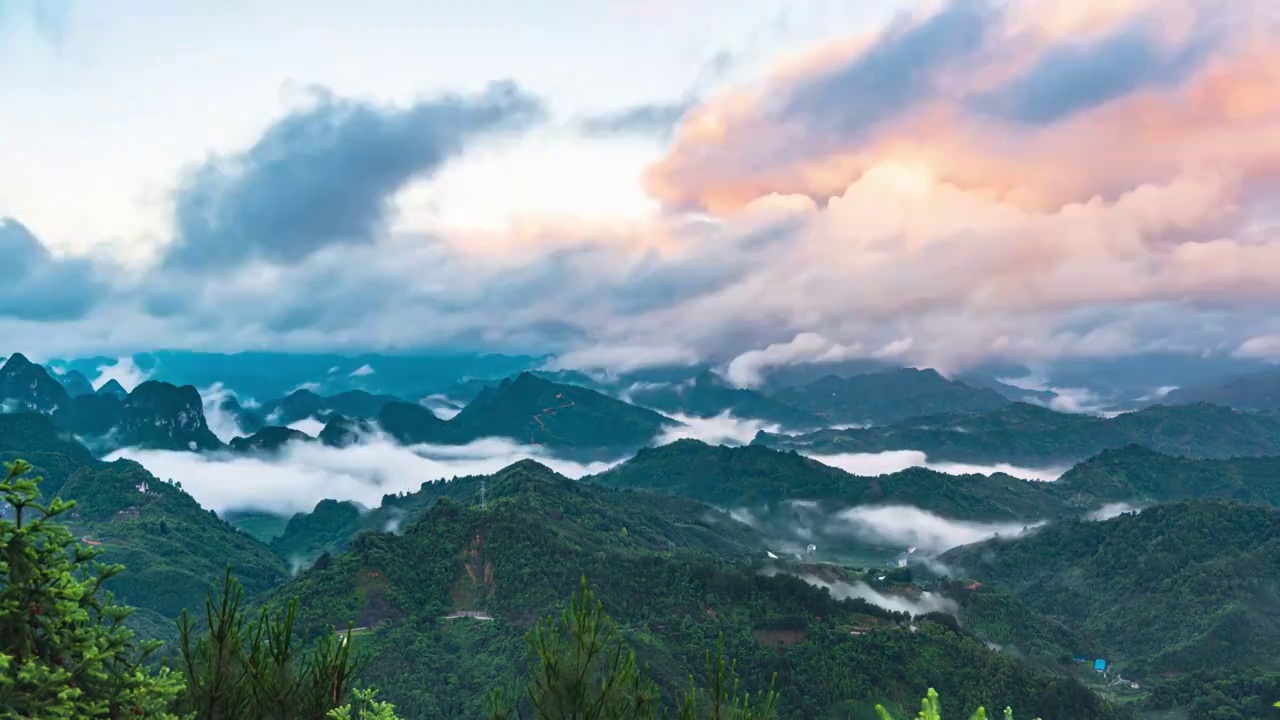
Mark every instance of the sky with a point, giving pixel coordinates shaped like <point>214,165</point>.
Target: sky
<point>636,182</point>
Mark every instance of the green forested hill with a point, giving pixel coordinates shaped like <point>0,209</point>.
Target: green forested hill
<point>1182,587</point>
<point>673,572</point>
<point>171,546</point>
<point>540,412</point>
<point>753,476</point>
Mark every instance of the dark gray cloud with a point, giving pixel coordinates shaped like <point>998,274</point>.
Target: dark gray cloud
<point>892,74</point>
<point>1074,77</point>
<point>654,119</point>
<point>324,175</point>
<point>38,286</point>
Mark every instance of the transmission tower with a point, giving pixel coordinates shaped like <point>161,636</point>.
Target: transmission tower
<point>483,505</point>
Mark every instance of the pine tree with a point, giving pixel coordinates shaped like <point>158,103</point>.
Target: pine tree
<point>584,671</point>
<point>64,650</point>
<point>931,709</point>
<point>243,669</point>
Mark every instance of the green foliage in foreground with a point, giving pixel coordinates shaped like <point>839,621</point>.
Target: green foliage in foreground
<point>931,709</point>
<point>584,670</point>
<point>64,651</point>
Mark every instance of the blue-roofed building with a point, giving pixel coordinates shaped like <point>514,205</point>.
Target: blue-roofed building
<point>1100,665</point>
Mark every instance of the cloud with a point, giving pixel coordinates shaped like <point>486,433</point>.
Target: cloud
<point>859,201</point>
<point>907,526</point>
<point>123,371</point>
<point>749,368</point>
<point>324,174</point>
<point>442,406</point>
<point>50,19</point>
<point>651,119</point>
<point>723,429</point>
<point>310,426</point>
<point>221,423</point>
<point>362,371</point>
<point>1266,347</point>
<point>926,602</point>
<point>622,358</point>
<point>39,287</point>
<point>891,461</point>
<point>1111,510</point>
<point>896,71</point>
<point>1074,77</point>
<point>303,474</point>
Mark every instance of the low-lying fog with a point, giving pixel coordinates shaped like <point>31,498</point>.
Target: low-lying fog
<point>302,474</point>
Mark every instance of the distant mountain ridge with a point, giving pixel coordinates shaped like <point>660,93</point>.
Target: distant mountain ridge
<point>1033,436</point>
<point>887,397</point>
<point>154,415</point>
<point>1256,391</point>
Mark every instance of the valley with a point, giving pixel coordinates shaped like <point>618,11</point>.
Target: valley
<point>809,572</point>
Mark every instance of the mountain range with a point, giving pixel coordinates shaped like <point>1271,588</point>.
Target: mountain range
<point>1033,436</point>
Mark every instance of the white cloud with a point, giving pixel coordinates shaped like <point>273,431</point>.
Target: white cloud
<point>303,474</point>
<point>1082,401</point>
<point>723,429</point>
<point>926,602</point>
<point>1111,510</point>
<point>124,371</point>
<point>891,461</point>
<point>906,526</point>
<point>362,371</point>
<point>622,357</point>
<point>442,406</point>
<point>749,368</point>
<point>310,426</point>
<point>1266,347</point>
<point>1159,393</point>
<point>222,424</point>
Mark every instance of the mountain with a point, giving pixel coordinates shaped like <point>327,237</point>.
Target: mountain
<point>113,387</point>
<point>75,383</point>
<point>756,476</point>
<point>1139,476</point>
<point>302,404</point>
<point>1255,391</point>
<point>411,423</point>
<point>454,593</point>
<point>25,385</point>
<point>161,416</point>
<point>1179,588</point>
<point>706,395</point>
<point>888,397</point>
<point>172,548</point>
<point>90,416</point>
<point>264,375</point>
<point>342,431</point>
<point>1033,436</point>
<point>247,420</point>
<point>531,409</point>
<point>269,439</point>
